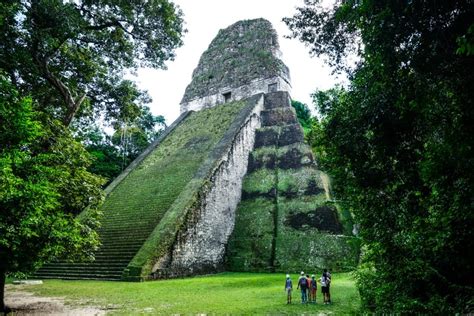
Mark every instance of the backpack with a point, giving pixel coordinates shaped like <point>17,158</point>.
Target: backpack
<point>313,284</point>
<point>303,282</point>
<point>324,280</point>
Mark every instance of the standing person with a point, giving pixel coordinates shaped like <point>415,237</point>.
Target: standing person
<point>329,285</point>
<point>288,289</point>
<point>308,289</point>
<point>313,285</point>
<point>324,286</point>
<point>303,285</point>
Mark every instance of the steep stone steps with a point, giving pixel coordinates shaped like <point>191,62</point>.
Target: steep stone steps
<point>139,198</point>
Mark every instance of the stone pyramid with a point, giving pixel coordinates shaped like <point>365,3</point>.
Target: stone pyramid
<point>230,185</point>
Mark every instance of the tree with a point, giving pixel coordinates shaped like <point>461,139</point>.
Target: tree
<point>398,144</point>
<point>112,154</point>
<point>44,184</point>
<point>70,56</point>
<point>303,114</point>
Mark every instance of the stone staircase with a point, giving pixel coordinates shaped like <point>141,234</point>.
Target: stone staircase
<point>136,205</point>
<point>119,246</point>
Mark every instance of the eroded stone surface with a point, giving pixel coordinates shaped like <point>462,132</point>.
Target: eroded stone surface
<point>242,60</point>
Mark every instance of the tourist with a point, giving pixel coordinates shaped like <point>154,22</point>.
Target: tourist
<point>308,289</point>
<point>303,285</point>
<point>288,289</point>
<point>324,286</point>
<point>329,286</point>
<point>313,285</point>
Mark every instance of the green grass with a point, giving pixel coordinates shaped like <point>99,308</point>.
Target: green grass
<point>225,293</point>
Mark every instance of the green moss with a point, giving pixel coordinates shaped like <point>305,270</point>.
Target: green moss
<point>303,204</point>
<point>149,190</point>
<point>302,147</point>
<point>250,254</point>
<point>315,251</point>
<point>249,247</point>
<point>263,153</point>
<point>254,218</point>
<point>292,180</point>
<point>260,181</point>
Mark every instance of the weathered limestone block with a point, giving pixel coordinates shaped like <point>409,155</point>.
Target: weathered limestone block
<point>277,99</point>
<point>295,156</point>
<point>267,136</point>
<point>279,116</point>
<point>290,134</point>
<point>266,157</point>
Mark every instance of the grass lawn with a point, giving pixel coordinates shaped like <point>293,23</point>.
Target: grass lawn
<point>224,293</point>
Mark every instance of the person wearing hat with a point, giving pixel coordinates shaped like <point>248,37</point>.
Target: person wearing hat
<point>313,286</point>
<point>303,285</point>
<point>288,289</point>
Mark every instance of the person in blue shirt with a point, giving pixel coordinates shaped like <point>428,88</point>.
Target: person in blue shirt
<point>288,289</point>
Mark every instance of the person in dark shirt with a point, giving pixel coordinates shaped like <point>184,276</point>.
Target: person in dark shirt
<point>303,285</point>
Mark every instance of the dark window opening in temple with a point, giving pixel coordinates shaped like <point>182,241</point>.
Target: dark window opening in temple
<point>272,87</point>
<point>227,96</point>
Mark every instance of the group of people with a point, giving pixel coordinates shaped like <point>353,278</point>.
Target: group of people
<point>309,287</point>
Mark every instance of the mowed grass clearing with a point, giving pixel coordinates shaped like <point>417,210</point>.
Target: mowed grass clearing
<point>224,293</point>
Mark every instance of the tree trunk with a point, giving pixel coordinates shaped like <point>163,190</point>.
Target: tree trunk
<point>2,291</point>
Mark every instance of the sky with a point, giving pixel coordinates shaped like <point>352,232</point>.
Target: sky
<point>203,19</point>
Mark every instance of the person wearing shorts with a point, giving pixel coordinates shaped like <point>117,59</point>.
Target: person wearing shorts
<point>288,289</point>
<point>324,287</point>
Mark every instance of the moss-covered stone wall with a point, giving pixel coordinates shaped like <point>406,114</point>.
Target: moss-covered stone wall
<point>172,248</point>
<point>286,221</point>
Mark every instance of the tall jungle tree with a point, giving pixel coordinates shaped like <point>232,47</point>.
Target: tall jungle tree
<point>398,143</point>
<point>70,56</point>
<point>62,64</point>
<point>44,184</point>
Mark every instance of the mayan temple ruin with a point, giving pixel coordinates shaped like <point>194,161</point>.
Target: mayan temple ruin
<point>229,186</point>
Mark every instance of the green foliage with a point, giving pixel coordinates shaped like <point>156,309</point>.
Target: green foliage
<point>112,154</point>
<point>71,56</point>
<point>303,114</point>
<point>224,293</point>
<point>466,42</point>
<point>398,143</point>
<point>44,183</point>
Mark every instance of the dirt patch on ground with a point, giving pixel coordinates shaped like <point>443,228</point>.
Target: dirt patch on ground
<point>23,302</point>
